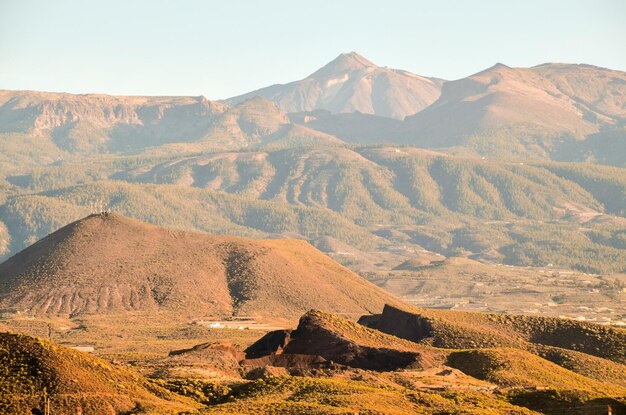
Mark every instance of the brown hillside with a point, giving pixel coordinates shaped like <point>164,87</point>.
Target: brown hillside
<point>221,358</point>
<point>108,263</point>
<point>31,369</point>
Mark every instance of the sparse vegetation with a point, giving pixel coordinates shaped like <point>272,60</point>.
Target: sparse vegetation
<point>34,371</point>
<point>525,214</point>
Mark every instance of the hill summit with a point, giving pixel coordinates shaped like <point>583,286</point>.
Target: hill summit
<point>108,263</point>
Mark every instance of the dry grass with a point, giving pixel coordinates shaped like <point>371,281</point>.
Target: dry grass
<point>32,370</point>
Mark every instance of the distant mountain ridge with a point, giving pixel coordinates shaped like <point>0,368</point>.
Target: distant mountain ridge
<point>555,111</point>
<point>88,124</point>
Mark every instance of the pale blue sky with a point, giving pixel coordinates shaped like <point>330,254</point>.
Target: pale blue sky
<point>220,49</point>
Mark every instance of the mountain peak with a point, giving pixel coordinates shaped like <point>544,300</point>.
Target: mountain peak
<point>497,67</point>
<point>354,57</point>
<point>345,62</point>
<point>352,83</point>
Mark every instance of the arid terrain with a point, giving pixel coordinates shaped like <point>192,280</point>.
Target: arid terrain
<point>166,321</point>
<point>363,240</point>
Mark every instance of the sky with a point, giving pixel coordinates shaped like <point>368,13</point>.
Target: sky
<point>222,49</point>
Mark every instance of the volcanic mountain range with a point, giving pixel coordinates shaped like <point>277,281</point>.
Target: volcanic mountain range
<point>546,111</point>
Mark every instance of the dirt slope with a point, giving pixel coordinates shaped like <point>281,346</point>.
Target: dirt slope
<point>108,263</point>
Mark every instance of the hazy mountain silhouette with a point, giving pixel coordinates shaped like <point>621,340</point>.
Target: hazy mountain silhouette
<point>522,107</point>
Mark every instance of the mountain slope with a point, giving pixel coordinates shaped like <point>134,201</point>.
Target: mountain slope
<point>516,368</point>
<point>108,263</point>
<point>552,111</point>
<point>352,127</point>
<point>352,83</point>
<point>413,190</point>
<point>366,182</point>
<point>526,108</point>
<point>535,213</point>
<point>297,395</point>
<point>517,372</point>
